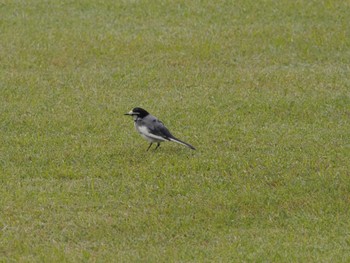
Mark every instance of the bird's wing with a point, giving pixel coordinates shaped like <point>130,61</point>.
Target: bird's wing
<point>156,127</point>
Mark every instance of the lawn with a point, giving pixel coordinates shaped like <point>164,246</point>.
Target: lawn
<point>260,88</point>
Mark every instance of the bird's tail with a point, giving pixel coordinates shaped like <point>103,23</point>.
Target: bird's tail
<point>181,142</point>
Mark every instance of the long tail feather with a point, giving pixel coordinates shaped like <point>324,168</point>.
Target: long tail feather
<point>181,142</point>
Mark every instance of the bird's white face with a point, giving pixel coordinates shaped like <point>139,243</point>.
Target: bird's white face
<point>133,114</point>
<point>135,117</point>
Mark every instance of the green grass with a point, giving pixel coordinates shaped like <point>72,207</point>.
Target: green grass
<point>260,88</point>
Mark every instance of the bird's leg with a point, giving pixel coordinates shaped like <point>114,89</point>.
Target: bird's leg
<point>158,144</point>
<point>149,146</point>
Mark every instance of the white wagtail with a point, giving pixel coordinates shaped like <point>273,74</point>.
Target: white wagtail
<point>151,129</point>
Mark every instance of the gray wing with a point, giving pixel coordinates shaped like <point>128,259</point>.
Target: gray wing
<point>156,127</point>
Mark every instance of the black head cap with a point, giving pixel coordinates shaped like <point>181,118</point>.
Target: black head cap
<point>139,112</point>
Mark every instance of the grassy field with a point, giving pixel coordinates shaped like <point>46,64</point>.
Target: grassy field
<point>260,88</point>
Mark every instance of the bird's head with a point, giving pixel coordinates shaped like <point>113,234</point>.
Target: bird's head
<point>137,112</point>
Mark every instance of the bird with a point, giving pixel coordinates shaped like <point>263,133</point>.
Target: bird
<point>152,129</point>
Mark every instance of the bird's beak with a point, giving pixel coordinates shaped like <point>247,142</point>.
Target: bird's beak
<point>129,113</point>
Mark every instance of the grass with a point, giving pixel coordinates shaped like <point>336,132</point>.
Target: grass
<point>260,88</point>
